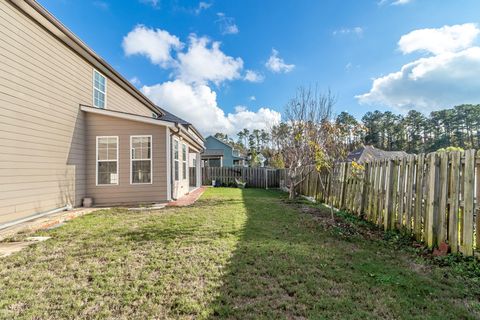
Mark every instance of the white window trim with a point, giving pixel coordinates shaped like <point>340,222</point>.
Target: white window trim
<point>93,89</point>
<point>184,161</point>
<point>151,159</point>
<point>177,160</point>
<point>96,162</point>
<point>169,163</point>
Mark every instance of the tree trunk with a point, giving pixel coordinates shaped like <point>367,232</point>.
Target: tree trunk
<point>291,191</point>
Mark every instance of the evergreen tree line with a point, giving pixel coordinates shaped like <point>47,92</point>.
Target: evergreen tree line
<point>414,132</point>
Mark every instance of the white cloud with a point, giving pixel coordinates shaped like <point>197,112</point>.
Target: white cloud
<point>202,5</point>
<point>197,103</point>
<point>277,64</point>
<point>252,98</point>
<point>202,63</point>
<point>254,76</point>
<point>135,81</point>
<point>155,44</point>
<point>400,2</point>
<point>358,31</point>
<point>194,68</point>
<point>446,78</point>
<point>437,41</point>
<point>227,24</point>
<point>264,118</point>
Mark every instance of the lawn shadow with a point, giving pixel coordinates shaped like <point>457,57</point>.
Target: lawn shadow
<point>273,270</point>
<point>288,266</point>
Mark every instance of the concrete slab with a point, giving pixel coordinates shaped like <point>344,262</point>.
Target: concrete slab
<point>188,199</point>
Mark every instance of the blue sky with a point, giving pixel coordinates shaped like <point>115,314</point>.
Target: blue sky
<point>168,48</point>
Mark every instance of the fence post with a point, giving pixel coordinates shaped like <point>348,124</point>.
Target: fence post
<point>454,198</point>
<point>441,225</point>
<point>417,221</point>
<point>364,193</point>
<point>343,185</point>
<point>431,206</point>
<point>409,198</point>
<point>468,203</point>
<point>401,192</point>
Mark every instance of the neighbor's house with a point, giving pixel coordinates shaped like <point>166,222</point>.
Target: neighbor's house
<point>72,127</point>
<point>370,153</point>
<point>220,154</point>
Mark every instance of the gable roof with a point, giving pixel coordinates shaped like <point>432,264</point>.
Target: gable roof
<point>369,153</point>
<point>223,142</point>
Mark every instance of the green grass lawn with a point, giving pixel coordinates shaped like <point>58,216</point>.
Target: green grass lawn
<point>235,254</point>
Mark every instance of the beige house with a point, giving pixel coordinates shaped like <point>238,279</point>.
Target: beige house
<point>72,127</point>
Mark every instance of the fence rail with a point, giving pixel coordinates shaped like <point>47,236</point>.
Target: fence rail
<point>254,177</point>
<point>433,197</point>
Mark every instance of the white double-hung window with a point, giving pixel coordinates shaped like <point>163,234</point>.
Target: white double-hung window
<point>141,159</point>
<point>184,161</point>
<point>107,161</point>
<point>176,160</point>
<point>99,90</point>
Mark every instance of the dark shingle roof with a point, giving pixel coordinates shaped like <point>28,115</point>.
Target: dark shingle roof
<point>369,153</point>
<point>170,117</point>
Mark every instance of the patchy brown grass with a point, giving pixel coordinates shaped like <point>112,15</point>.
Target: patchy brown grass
<point>235,254</point>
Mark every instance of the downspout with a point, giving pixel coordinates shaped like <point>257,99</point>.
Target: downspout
<point>34,216</point>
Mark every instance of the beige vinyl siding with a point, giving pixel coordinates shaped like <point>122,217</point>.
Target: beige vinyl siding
<point>42,130</point>
<point>124,192</point>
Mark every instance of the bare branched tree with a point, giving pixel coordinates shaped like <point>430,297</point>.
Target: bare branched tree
<point>308,139</point>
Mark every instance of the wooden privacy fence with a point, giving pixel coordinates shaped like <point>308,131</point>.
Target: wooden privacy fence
<point>254,177</point>
<point>433,197</point>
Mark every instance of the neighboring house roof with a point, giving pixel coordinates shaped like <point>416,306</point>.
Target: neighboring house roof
<point>52,24</point>
<point>213,152</point>
<point>235,154</point>
<point>369,153</point>
<point>223,142</point>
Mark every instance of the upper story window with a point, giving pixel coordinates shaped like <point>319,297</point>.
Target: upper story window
<point>107,160</point>
<point>99,90</point>
<point>141,159</point>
